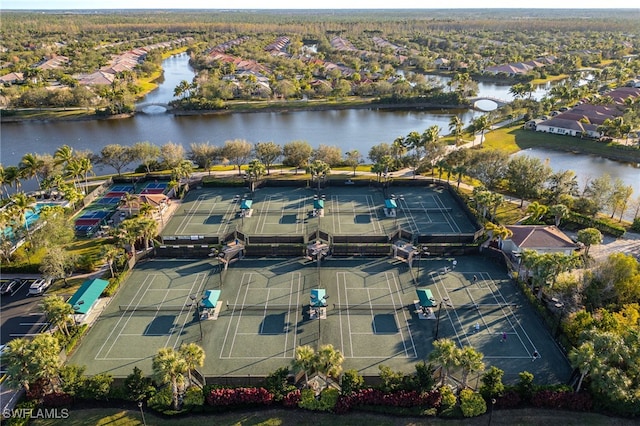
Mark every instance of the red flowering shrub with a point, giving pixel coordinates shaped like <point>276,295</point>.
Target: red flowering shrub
<point>291,399</point>
<point>401,398</point>
<point>239,396</point>
<point>57,399</point>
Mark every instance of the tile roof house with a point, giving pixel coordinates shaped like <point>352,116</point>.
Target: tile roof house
<point>541,238</point>
<point>12,77</point>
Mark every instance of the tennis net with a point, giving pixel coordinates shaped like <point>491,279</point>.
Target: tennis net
<point>260,307</point>
<point>153,308</point>
<point>368,307</point>
<point>487,306</point>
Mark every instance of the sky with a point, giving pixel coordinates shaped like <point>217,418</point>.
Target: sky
<point>323,4</point>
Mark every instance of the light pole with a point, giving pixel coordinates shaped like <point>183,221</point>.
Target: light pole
<point>193,298</point>
<point>144,422</point>
<point>493,402</point>
<point>445,300</point>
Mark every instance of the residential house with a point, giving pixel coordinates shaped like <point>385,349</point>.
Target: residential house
<point>541,238</point>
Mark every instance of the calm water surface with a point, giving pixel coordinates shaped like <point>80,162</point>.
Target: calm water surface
<point>349,129</point>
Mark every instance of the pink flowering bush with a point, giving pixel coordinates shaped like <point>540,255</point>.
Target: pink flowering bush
<point>401,398</point>
<point>239,396</point>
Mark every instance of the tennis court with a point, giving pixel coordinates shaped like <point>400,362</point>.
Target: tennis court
<point>264,314</point>
<point>298,211</point>
<point>154,188</point>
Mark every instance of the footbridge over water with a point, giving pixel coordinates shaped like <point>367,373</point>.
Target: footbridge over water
<point>143,106</point>
<point>499,102</point>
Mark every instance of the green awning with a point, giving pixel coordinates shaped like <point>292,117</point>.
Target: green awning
<point>390,204</point>
<point>246,204</point>
<point>318,297</point>
<point>211,298</point>
<point>426,298</point>
<point>318,204</point>
<point>87,294</point>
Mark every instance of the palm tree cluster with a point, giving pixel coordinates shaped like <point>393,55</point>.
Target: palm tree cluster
<point>327,361</point>
<point>446,354</point>
<point>170,365</point>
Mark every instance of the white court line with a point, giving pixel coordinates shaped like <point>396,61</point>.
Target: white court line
<point>375,224</point>
<point>450,220</point>
<point>440,285</point>
<point>511,313</point>
<point>202,277</point>
<point>186,221</point>
<point>404,313</point>
<point>411,221</point>
<point>244,299</point>
<point>148,280</point>
<point>344,279</point>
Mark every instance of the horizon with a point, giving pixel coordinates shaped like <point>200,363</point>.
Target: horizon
<point>363,5</point>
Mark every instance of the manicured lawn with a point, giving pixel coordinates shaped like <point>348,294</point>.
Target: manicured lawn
<point>277,417</point>
<point>513,139</point>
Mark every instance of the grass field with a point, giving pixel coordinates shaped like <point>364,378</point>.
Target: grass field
<point>277,417</point>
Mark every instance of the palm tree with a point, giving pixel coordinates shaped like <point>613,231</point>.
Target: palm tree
<point>58,312</point>
<point>148,228</point>
<point>318,169</point>
<point>446,354</point>
<point>471,361</point>
<point>455,127</point>
<point>75,170</point>
<point>304,360</point>
<point>86,168</point>
<point>31,166</point>
<point>18,361</point>
<point>23,203</point>
<point>255,169</point>
<point>12,176</point>
<point>481,124</point>
<point>559,211</point>
<point>169,366</point>
<point>111,253</point>
<point>193,356</point>
<point>128,200</point>
<point>536,211</point>
<point>583,358</point>
<point>63,155</point>
<point>329,362</point>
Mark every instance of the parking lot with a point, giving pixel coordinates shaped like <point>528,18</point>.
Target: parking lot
<point>22,315</point>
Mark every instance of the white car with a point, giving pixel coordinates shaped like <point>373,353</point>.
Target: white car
<point>39,286</point>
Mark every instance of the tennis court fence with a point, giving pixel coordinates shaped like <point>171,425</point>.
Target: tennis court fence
<point>262,307</point>
<point>153,308</point>
<point>344,209</point>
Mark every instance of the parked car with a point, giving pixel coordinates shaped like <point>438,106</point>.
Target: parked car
<point>39,286</point>
<point>8,287</point>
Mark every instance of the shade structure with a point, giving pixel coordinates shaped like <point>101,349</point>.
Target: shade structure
<point>83,299</point>
<point>318,204</point>
<point>390,204</point>
<point>425,297</point>
<point>246,204</point>
<point>210,299</point>
<point>318,296</point>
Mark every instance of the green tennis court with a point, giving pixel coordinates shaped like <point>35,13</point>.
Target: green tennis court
<point>264,314</point>
<point>346,210</point>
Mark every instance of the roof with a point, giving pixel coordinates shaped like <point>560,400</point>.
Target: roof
<point>246,204</point>
<point>390,204</point>
<point>539,237</point>
<point>318,204</point>
<point>318,297</point>
<point>210,299</point>
<point>87,294</point>
<point>425,297</point>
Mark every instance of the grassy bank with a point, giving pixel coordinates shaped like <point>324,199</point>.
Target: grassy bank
<point>513,139</point>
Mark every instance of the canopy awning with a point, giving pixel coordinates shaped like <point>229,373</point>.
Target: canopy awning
<point>87,294</point>
<point>210,299</point>
<point>246,204</point>
<point>318,297</point>
<point>318,204</point>
<point>390,204</point>
<point>425,297</point>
